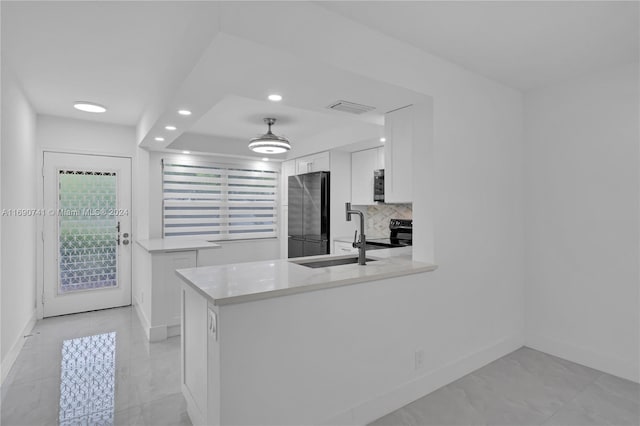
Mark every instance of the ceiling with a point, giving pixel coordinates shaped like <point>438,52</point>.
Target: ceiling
<point>145,60</point>
<point>118,54</point>
<point>522,44</point>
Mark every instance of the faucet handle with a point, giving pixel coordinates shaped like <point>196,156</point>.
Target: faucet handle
<point>355,239</point>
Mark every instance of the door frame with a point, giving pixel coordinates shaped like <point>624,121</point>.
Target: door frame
<point>40,222</point>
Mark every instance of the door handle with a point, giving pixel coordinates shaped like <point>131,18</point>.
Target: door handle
<point>125,242</point>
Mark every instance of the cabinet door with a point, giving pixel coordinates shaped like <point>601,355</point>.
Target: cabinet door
<point>320,162</point>
<point>380,158</point>
<point>363,163</point>
<point>167,284</point>
<point>398,156</point>
<point>302,166</point>
<point>313,163</point>
<point>194,353</point>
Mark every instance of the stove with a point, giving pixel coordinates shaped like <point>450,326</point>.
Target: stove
<point>400,235</point>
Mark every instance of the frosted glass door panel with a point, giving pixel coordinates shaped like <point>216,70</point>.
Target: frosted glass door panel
<point>87,240</point>
<point>87,230</point>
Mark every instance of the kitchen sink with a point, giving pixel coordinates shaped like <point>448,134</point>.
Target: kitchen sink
<point>323,263</point>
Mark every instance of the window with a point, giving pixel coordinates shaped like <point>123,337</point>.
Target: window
<point>219,202</point>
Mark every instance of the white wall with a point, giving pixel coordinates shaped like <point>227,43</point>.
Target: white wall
<point>90,137</point>
<point>477,188</point>
<point>19,173</point>
<point>582,289</point>
<point>84,136</point>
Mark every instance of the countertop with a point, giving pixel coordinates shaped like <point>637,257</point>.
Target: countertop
<point>159,245</point>
<point>245,282</point>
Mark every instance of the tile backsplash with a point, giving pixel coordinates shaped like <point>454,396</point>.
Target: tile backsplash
<point>377,222</point>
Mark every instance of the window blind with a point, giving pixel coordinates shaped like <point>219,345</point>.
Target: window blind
<point>219,202</point>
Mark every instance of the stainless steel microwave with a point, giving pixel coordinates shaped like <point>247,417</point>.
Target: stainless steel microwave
<point>378,185</point>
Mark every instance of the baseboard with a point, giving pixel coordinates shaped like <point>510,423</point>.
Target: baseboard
<point>173,330</point>
<point>589,358</point>
<point>368,411</point>
<point>155,333</point>
<point>195,415</point>
<point>146,325</point>
<point>12,355</point>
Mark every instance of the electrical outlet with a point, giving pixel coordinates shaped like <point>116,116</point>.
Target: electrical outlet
<point>419,359</point>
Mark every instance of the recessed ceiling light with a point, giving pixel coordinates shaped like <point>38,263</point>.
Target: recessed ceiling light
<point>172,128</point>
<point>159,139</point>
<point>186,152</point>
<point>184,112</point>
<point>275,97</point>
<point>383,140</point>
<point>89,107</point>
<point>265,159</point>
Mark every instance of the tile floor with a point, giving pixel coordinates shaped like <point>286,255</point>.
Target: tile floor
<point>116,377</point>
<point>98,369</point>
<point>526,387</point>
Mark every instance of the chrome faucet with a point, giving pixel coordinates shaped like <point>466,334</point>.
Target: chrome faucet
<point>360,245</point>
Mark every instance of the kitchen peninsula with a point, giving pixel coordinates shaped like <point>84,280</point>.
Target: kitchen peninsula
<point>277,342</point>
<point>157,299</point>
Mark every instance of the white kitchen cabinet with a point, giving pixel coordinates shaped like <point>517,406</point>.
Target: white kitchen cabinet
<point>194,361</point>
<point>342,247</point>
<point>398,155</point>
<point>313,163</point>
<point>157,293</point>
<point>380,158</point>
<point>363,164</point>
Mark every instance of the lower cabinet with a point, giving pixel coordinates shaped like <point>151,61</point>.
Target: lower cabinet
<point>194,353</point>
<point>200,358</point>
<point>158,303</point>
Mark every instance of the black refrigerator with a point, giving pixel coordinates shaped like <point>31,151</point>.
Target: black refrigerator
<point>309,214</point>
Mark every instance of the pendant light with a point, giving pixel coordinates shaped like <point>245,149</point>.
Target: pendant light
<point>269,143</point>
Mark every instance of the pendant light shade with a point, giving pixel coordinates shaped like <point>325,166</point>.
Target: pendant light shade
<point>269,143</point>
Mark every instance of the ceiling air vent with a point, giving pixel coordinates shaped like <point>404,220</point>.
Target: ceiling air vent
<point>350,107</point>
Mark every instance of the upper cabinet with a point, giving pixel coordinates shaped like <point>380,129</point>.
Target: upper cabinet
<point>363,163</point>
<point>398,156</point>
<point>313,163</point>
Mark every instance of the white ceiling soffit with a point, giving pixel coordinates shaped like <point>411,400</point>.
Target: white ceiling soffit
<point>124,55</point>
<point>235,115</point>
<point>522,44</point>
<point>228,88</point>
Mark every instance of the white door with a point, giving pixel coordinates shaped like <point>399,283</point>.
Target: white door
<point>87,233</point>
